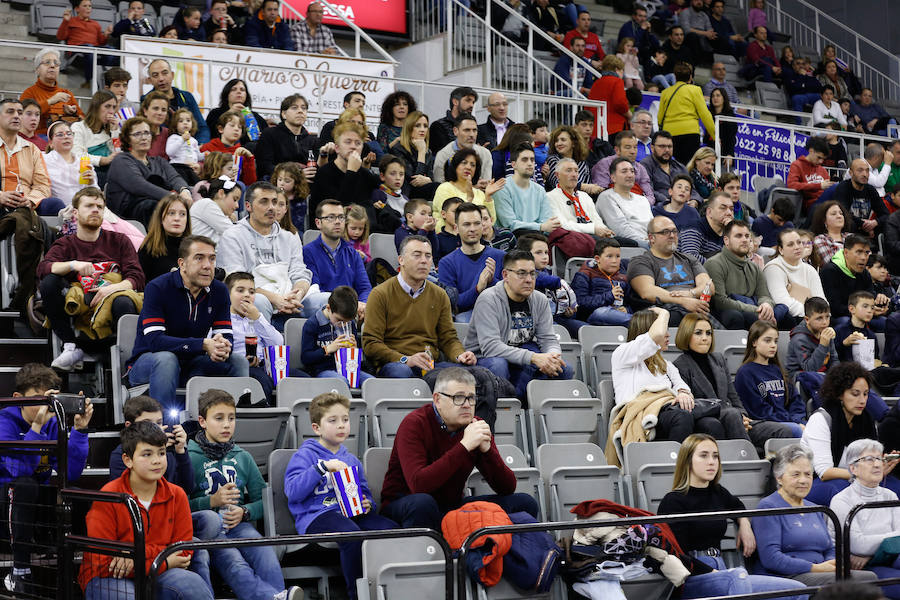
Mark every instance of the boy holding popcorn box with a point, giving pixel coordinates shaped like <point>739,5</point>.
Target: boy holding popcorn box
<point>326,487</point>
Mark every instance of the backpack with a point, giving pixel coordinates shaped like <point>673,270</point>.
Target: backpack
<point>533,559</point>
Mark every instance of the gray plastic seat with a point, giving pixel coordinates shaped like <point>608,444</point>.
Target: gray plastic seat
<point>509,428</point>
<point>381,245</point>
<point>528,479</point>
<point>573,473</point>
<point>236,386</point>
<point>387,415</point>
<point>597,346</point>
<point>357,441</point>
<point>292,389</point>
<point>375,463</point>
<point>773,445</point>
<point>568,420</point>
<point>293,334</point>
<point>119,353</point>
<point>402,568</point>
<point>649,466</point>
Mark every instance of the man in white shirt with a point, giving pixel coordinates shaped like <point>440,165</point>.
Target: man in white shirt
<point>574,209</point>
<point>626,213</point>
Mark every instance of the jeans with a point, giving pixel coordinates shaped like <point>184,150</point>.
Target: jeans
<point>520,375</point>
<point>53,293</point>
<point>799,102</point>
<point>463,317</point>
<point>422,510</point>
<point>252,572</point>
<point>764,430</point>
<point>728,426</point>
<point>664,81</point>
<point>609,315</point>
<point>172,584</point>
<point>729,582</point>
<point>398,370</point>
<point>351,552</point>
<point>571,324</point>
<point>762,70</point>
<point>26,507</point>
<point>164,371</point>
<point>363,376</point>
<point>822,492</point>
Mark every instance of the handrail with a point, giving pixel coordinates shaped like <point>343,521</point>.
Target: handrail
<point>309,538</point>
<point>849,520</point>
<point>839,556</point>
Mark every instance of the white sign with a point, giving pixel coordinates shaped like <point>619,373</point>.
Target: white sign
<point>271,75</point>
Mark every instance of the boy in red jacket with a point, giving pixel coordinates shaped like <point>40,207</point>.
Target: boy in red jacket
<point>807,175</point>
<point>167,519</point>
<point>231,128</point>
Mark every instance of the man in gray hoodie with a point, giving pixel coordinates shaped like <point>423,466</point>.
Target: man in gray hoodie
<point>259,246</point>
<point>511,331</point>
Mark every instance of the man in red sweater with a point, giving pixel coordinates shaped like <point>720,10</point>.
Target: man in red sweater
<point>807,175</point>
<point>593,49</point>
<point>434,452</point>
<point>84,31</point>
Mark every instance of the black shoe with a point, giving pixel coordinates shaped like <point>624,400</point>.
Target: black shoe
<point>23,584</point>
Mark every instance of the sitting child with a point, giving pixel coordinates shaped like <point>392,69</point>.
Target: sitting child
<point>322,335</point>
<point>771,224</point>
<point>227,479</point>
<point>493,236</point>
<point>289,178</point>
<point>850,334</point>
<point>388,198</point>
<point>182,147</point>
<point>356,231</point>
<point>310,493</point>
<point>601,286</point>
<point>448,236</point>
<point>419,221</point>
<point>881,277</point>
<point>231,128</point>
<point>167,519</point>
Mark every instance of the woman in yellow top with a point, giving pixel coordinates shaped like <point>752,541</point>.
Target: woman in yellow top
<point>681,108</point>
<point>464,168</point>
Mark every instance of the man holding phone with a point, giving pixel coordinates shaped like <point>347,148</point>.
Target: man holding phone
<point>22,475</point>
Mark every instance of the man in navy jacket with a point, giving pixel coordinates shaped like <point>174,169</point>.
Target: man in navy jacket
<point>180,309</point>
<point>266,29</point>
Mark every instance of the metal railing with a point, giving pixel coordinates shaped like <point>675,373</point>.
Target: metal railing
<point>810,27</point>
<point>846,532</point>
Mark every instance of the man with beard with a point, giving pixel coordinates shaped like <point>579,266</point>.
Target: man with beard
<point>625,212</point>
<point>90,257</point>
<point>861,201</point>
<point>661,166</point>
<point>465,130</point>
<point>704,241</point>
<point>185,326</point>
<point>522,204</point>
<point>462,101</point>
<point>626,147</point>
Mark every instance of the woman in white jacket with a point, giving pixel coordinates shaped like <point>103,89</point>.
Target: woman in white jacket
<point>97,136</point>
<point>791,280</point>
<point>638,365</point>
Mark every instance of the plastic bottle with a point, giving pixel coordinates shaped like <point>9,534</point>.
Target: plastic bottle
<point>84,168</point>
<point>311,159</point>
<point>618,301</point>
<point>705,295</point>
<point>251,124</point>
<point>430,361</point>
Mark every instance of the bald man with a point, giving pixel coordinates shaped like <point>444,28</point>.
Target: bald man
<point>860,199</point>
<point>491,132</point>
<point>161,75</point>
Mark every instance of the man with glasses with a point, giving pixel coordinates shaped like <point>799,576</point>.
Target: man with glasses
<point>626,147</point>
<point>274,256</point>
<point>310,35</point>
<point>491,132</point>
<point>846,273</point>
<point>56,102</point>
<point>511,331</point>
<point>642,126</point>
<point>665,277</point>
<point>435,450</point>
<point>661,166</point>
<point>333,260</point>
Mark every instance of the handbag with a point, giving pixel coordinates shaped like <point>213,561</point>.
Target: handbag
<point>572,243</point>
<point>706,407</point>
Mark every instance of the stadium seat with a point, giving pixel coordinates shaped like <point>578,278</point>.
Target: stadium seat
<point>793,195</point>
<point>607,401</point>
<point>236,386</point>
<point>387,414</point>
<point>462,329</point>
<point>278,520</point>
<point>747,479</point>
<point>784,340</point>
<point>402,568</point>
<point>137,224</point>
<point>381,245</point>
<point>510,428</point>
<point>573,265</point>
<point>773,445</point>
<point>597,346</point>
<point>732,343</point>
<point>293,334</point>
<point>375,463</point>
<point>567,420</point>
<point>9,277</point>
<point>732,69</point>
<point>259,431</point>
<point>357,440</point>
<point>119,353</point>
<point>528,479</point>
<point>292,389</point>
<point>310,236</point>
<point>770,95</point>
<point>649,467</point>
<point>573,473</point>
<point>631,252</point>
<point>379,388</point>
<point>730,450</point>
<point>167,15</point>
<point>46,17</point>
<point>571,350</point>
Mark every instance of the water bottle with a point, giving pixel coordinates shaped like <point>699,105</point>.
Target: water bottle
<point>618,301</point>
<point>251,124</point>
<point>222,512</point>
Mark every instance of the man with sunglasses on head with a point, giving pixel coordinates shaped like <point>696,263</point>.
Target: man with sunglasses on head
<point>511,331</point>
<point>435,450</point>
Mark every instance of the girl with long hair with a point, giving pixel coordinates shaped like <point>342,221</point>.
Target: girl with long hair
<point>831,225</point>
<point>168,226</point>
<point>236,96</point>
<point>216,211</point>
<point>394,110</point>
<point>94,136</point>
<point>566,143</point>
<point>701,168</point>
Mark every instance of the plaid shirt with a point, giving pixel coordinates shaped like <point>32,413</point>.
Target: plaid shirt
<point>305,41</point>
<point>826,247</point>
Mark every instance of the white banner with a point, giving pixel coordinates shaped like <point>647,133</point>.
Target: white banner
<point>267,86</point>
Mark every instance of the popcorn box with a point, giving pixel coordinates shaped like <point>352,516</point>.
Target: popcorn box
<point>125,113</point>
<point>90,283</point>
<point>278,362</point>
<point>237,164</point>
<point>347,362</point>
<point>347,492</point>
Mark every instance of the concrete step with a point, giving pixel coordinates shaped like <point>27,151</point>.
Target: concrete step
<point>14,18</point>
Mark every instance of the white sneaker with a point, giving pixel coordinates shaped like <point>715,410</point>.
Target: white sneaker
<point>72,357</point>
<point>294,592</point>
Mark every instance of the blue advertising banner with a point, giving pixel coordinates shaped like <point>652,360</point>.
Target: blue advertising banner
<point>765,149</point>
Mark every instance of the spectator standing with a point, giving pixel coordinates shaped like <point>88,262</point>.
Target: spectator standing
<point>719,104</point>
<point>310,35</point>
<point>462,101</point>
<point>593,49</point>
<point>56,102</point>
<point>661,167</point>
<point>491,132</point>
<point>289,141</point>
<point>610,88</point>
<point>681,108</point>
<point>161,76</point>
<point>266,29</point>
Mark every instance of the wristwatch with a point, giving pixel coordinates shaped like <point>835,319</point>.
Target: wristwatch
<point>403,360</point>
<point>246,516</point>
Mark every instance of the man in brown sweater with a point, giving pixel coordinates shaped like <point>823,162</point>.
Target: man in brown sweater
<point>408,321</point>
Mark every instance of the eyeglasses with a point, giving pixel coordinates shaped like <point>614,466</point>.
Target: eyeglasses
<point>665,232</point>
<point>332,218</point>
<point>460,399</point>
<point>141,134</point>
<point>50,63</point>
<point>522,274</point>
<point>63,134</point>
<point>872,460</point>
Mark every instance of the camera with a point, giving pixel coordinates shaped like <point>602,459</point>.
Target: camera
<point>72,404</point>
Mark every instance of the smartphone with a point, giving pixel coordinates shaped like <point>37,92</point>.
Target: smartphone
<point>891,456</point>
<point>72,404</point>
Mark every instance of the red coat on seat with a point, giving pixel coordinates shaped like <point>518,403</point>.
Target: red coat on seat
<point>458,524</point>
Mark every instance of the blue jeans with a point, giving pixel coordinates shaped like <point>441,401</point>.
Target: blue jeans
<point>172,584</point>
<point>664,81</point>
<point>252,572</point>
<point>520,375</point>
<point>463,317</point>
<point>363,376</point>
<point>351,552</point>
<point>799,101</point>
<point>822,492</point>
<point>609,315</point>
<point>571,324</point>
<point>397,370</point>
<point>422,510</point>
<point>164,371</point>
<point>729,582</point>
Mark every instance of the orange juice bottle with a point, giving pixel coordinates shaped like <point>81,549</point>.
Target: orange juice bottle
<point>84,167</point>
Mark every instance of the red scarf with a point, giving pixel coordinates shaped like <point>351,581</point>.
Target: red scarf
<point>580,215</point>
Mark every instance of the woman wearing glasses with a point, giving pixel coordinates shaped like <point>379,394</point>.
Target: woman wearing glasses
<point>867,465</point>
<point>843,419</point>
<point>63,165</point>
<point>138,181</point>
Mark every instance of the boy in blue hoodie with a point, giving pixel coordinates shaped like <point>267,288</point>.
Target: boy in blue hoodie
<point>310,494</point>
<point>321,338</point>
<point>418,221</point>
<point>602,287</point>
<point>563,302</point>
<point>23,474</point>
<point>227,480</point>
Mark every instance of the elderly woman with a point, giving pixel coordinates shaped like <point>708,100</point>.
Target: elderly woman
<point>842,419</point>
<point>798,546</point>
<point>867,465</point>
<point>56,102</point>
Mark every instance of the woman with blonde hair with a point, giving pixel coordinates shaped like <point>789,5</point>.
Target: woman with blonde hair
<point>168,226</point>
<point>696,488</point>
<point>701,168</point>
<point>412,149</point>
<point>639,366</point>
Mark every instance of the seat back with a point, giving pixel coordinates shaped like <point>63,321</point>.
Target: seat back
<point>574,472</point>
<point>375,463</point>
<point>607,396</point>
<point>381,245</point>
<point>137,224</point>
<point>292,389</point>
<point>259,431</point>
<point>357,440</point>
<point>632,252</point>
<point>236,386</point>
<point>378,388</point>
<point>734,450</point>
<point>403,568</point>
<point>509,428</point>
<point>277,516</point>
<point>310,235</point>
<point>573,265</point>
<point>773,445</point>
<point>597,346</point>
<point>293,334</point>
<point>541,389</point>
<point>641,453</point>
<point>747,479</point>
<point>769,94</point>
<point>565,421</point>
<point>462,330</point>
<point>387,415</point>
<point>119,353</point>
<point>793,195</point>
